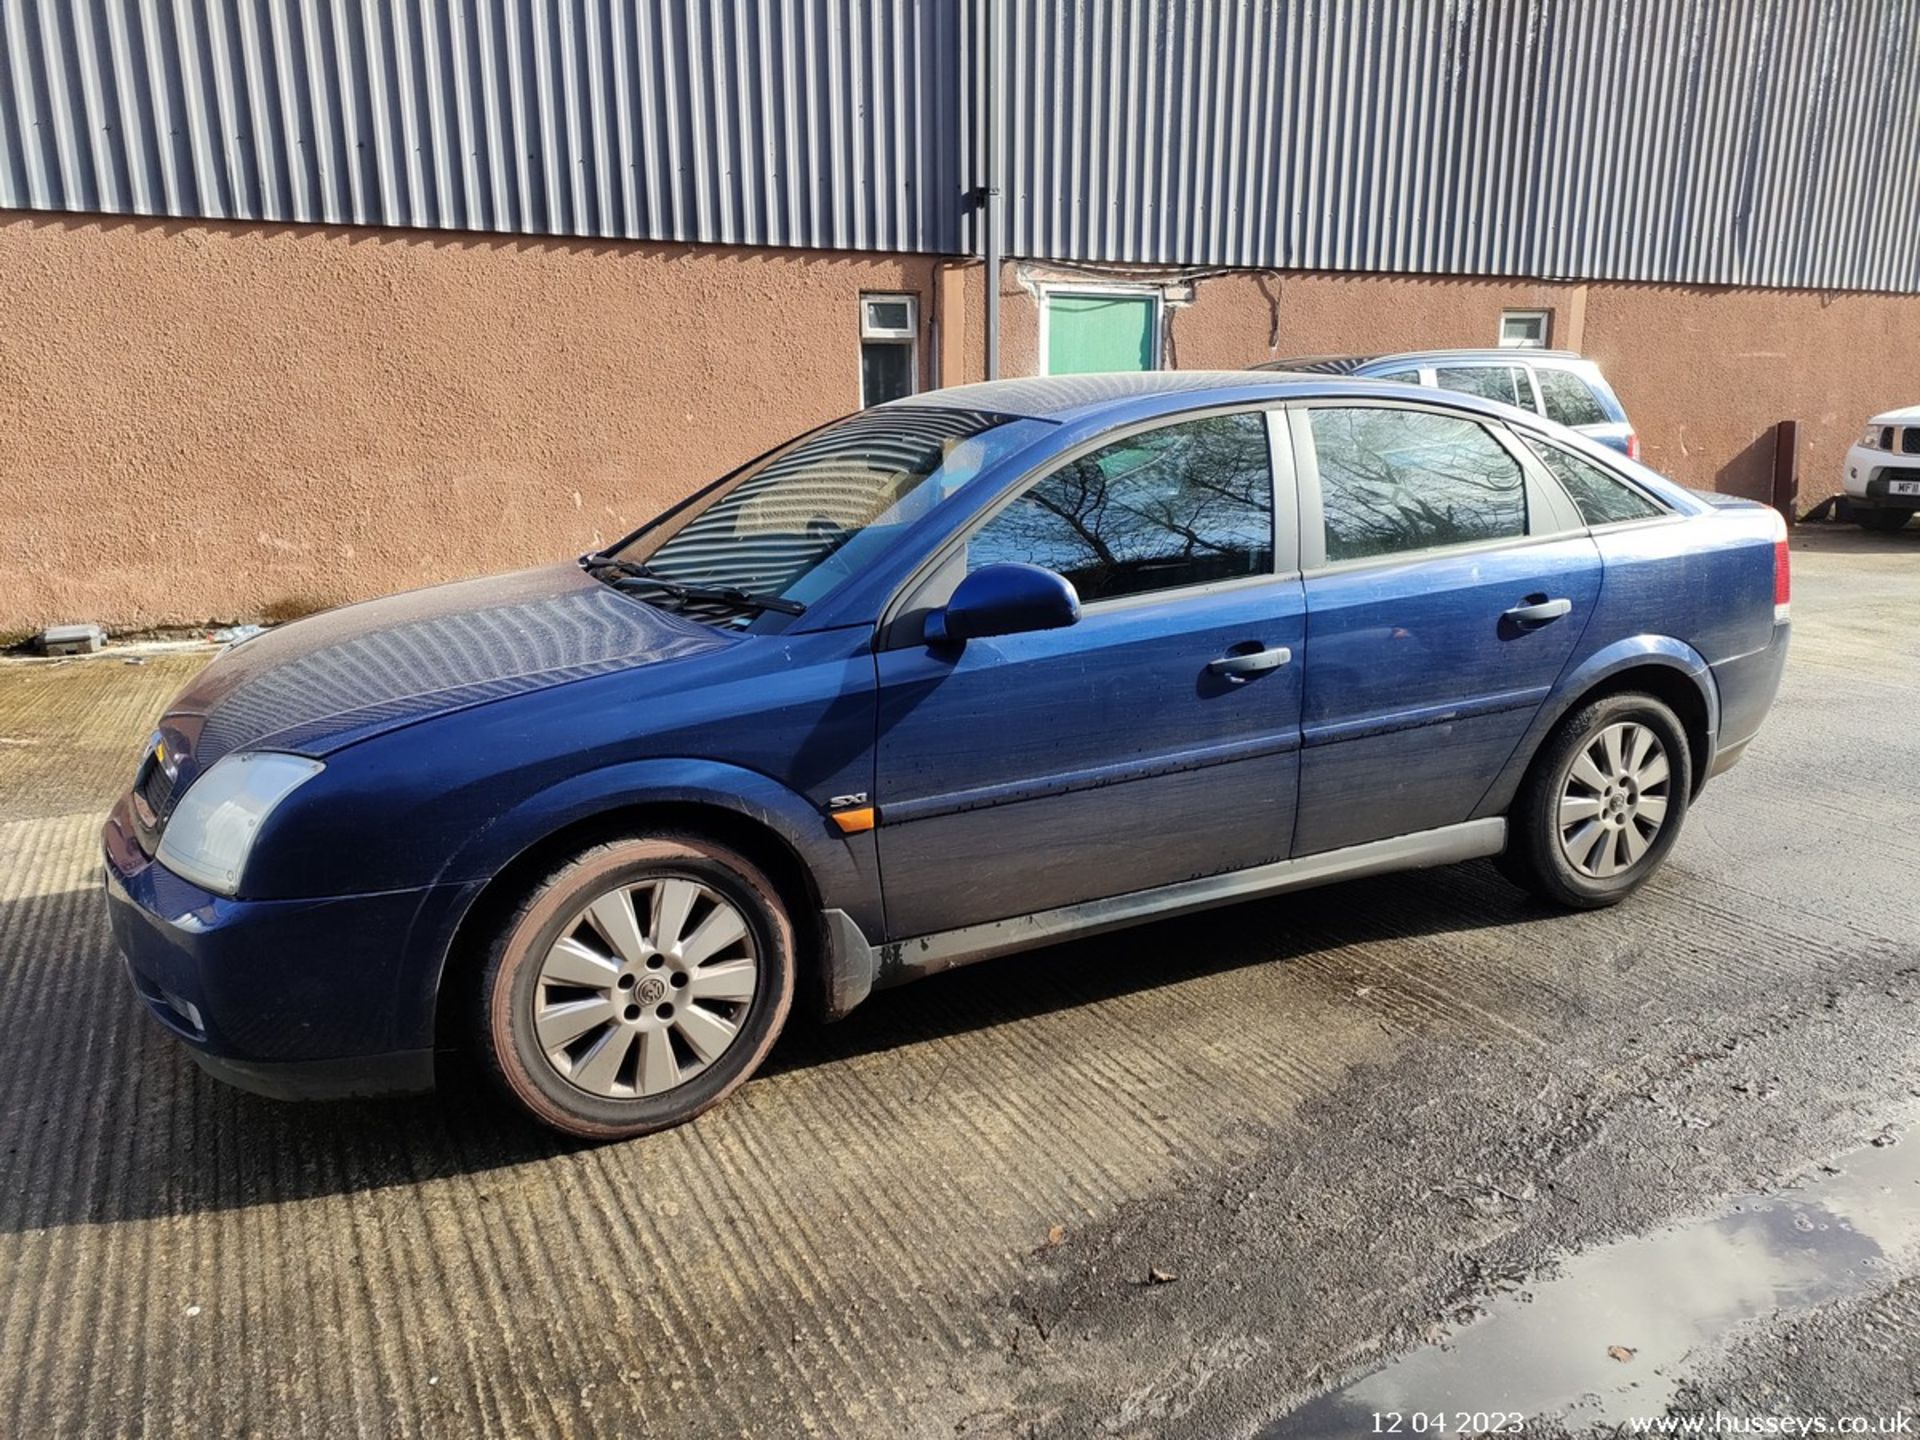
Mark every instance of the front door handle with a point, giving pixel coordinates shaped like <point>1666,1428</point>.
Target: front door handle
<point>1238,667</point>
<point>1538,612</point>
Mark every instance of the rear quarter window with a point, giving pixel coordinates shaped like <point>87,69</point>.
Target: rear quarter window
<point>1602,498</point>
<point>1568,399</point>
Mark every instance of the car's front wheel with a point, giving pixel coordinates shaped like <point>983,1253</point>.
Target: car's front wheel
<point>636,986</point>
<point>1602,804</point>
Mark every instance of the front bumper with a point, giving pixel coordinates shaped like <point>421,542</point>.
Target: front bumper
<point>1868,476</point>
<point>289,998</point>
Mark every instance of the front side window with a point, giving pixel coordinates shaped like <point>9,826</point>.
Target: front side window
<point>1569,400</point>
<point>1504,383</point>
<point>1186,504</point>
<point>1603,499</point>
<point>801,520</point>
<point>1394,481</point>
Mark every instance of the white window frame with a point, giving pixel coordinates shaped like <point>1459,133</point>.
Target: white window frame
<point>1545,319</point>
<point>909,337</point>
<point>1113,290</point>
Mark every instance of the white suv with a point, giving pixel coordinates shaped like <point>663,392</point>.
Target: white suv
<point>1882,478</point>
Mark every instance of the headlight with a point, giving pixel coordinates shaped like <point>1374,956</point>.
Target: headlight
<point>1871,440</point>
<point>213,827</point>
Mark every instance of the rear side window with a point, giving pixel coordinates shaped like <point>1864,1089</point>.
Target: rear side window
<point>1569,399</point>
<point>1504,383</point>
<point>1603,499</point>
<point>1182,505</point>
<point>1393,481</point>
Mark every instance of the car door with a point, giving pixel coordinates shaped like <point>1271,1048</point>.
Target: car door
<point>1446,586</point>
<point>1029,771</point>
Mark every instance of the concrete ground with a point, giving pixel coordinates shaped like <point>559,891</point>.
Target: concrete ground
<point>1175,1182</point>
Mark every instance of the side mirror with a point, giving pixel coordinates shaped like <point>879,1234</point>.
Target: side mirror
<point>1008,599</point>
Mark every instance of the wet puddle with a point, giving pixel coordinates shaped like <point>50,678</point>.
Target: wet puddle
<point>1602,1342</point>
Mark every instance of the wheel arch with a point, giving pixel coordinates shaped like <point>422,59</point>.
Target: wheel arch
<point>1679,693</point>
<point>764,838</point>
<point>1672,672</point>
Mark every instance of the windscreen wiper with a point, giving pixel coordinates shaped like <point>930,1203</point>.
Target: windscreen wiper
<point>630,576</point>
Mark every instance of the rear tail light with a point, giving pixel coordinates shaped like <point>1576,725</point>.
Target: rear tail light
<point>1633,446</point>
<point>1782,570</point>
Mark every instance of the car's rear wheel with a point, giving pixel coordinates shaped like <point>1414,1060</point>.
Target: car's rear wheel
<point>1602,804</point>
<point>636,986</point>
<point>1881,519</point>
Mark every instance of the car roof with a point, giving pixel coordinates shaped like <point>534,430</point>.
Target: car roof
<point>1347,364</point>
<point>1080,397</point>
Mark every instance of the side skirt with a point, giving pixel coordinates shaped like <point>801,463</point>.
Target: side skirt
<point>859,967</point>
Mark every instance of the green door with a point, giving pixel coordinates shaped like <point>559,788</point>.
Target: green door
<point>1089,333</point>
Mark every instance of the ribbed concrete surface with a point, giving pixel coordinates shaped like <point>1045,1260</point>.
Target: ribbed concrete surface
<point>842,1248</point>
<point>814,1257</point>
<point>71,730</point>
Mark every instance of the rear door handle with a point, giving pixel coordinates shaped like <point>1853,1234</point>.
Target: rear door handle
<point>1238,667</point>
<point>1539,612</point>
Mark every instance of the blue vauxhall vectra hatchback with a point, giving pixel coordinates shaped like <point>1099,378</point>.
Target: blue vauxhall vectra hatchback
<point>961,675</point>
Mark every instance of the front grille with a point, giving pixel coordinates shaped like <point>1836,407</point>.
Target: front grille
<point>1910,440</point>
<point>155,787</point>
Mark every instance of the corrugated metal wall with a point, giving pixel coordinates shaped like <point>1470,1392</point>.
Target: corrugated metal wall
<point>766,122</point>
<point>1766,142</point>
<point>1760,142</point>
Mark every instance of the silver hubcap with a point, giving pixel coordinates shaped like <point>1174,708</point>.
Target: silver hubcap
<point>1614,800</point>
<point>645,988</point>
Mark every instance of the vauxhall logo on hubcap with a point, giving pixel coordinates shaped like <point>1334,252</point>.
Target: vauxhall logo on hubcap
<point>650,991</point>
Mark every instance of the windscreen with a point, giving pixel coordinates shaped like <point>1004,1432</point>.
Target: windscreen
<point>800,521</point>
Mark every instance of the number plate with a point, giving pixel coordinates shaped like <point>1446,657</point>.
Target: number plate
<point>1903,487</point>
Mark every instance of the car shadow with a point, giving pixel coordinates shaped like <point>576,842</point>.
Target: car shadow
<point>1845,538</point>
<point>1013,988</point>
<point>106,1118</point>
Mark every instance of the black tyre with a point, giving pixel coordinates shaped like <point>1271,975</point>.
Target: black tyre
<point>1602,804</point>
<point>1881,519</point>
<point>636,986</point>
